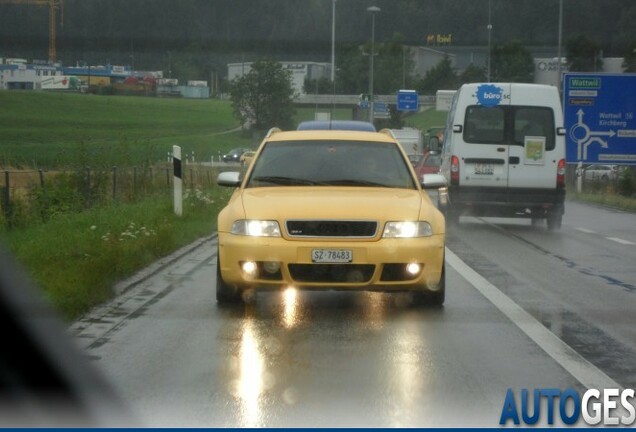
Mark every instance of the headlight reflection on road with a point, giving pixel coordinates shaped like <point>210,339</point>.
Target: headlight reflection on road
<point>290,307</point>
<point>373,310</point>
<point>409,377</point>
<point>250,383</point>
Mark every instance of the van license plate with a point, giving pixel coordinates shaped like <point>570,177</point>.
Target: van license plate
<point>487,169</point>
<point>331,255</point>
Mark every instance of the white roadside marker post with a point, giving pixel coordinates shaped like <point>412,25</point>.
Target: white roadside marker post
<point>178,182</point>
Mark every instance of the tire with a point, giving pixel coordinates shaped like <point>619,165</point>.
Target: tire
<point>433,298</point>
<point>451,215</point>
<point>225,293</point>
<point>537,221</point>
<point>554,221</point>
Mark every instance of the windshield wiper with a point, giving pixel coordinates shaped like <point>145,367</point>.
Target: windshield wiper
<point>352,182</point>
<point>281,180</point>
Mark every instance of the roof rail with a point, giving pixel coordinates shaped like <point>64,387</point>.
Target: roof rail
<point>388,132</point>
<point>272,131</point>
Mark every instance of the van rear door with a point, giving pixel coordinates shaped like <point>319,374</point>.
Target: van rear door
<point>532,157</point>
<point>484,155</point>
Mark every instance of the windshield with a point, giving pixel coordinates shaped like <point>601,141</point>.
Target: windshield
<point>331,163</point>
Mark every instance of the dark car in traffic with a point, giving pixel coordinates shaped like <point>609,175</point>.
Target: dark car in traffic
<point>234,155</point>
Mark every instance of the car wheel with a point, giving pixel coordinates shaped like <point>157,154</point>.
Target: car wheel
<point>225,293</point>
<point>433,298</point>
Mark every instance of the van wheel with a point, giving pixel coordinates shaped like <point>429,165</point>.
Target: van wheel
<point>537,221</point>
<point>554,221</point>
<point>225,293</point>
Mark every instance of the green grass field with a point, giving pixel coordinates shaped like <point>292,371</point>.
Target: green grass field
<point>41,129</point>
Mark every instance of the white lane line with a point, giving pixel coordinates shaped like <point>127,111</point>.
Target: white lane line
<point>620,240</point>
<point>585,230</point>
<point>585,372</point>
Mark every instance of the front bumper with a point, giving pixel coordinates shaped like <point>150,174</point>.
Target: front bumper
<point>377,265</point>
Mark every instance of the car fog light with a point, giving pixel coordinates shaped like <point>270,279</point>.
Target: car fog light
<point>271,267</point>
<point>249,267</point>
<point>413,268</point>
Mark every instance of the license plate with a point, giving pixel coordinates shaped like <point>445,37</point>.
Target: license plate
<point>487,169</point>
<point>331,255</point>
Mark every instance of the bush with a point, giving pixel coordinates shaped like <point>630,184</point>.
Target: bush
<point>627,183</point>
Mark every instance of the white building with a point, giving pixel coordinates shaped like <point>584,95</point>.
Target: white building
<point>17,74</point>
<point>299,70</point>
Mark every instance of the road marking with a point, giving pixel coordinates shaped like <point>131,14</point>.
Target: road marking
<point>585,230</point>
<point>581,369</point>
<point>614,239</point>
<point>620,240</point>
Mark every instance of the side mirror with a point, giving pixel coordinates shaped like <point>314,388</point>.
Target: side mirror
<point>560,131</point>
<point>458,128</point>
<point>229,178</point>
<point>433,181</point>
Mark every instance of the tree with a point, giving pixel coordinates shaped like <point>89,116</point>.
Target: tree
<point>472,73</point>
<point>263,97</point>
<point>512,62</point>
<point>441,77</point>
<point>583,54</point>
<point>629,64</point>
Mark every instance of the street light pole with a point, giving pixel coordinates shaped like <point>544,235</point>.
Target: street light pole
<point>559,42</point>
<point>372,10</point>
<point>333,40</point>
<point>489,34</point>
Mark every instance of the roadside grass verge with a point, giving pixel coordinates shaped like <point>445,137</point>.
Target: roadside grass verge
<point>76,259</point>
<point>605,199</point>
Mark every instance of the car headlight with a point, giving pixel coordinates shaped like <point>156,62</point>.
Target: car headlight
<point>256,228</point>
<point>407,230</point>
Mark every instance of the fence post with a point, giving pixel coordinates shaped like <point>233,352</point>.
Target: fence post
<point>7,196</point>
<point>134,182</point>
<point>41,177</point>
<point>88,187</point>
<point>114,183</point>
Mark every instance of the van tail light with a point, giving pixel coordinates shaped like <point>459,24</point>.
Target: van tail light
<point>454,168</point>
<point>560,182</point>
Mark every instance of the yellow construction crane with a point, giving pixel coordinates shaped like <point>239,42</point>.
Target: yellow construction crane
<point>54,7</point>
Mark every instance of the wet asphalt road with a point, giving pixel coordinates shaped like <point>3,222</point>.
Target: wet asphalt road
<point>525,308</point>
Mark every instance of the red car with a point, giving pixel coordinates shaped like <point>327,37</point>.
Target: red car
<point>428,163</point>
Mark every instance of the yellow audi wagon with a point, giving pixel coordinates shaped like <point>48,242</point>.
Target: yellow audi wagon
<point>330,210</point>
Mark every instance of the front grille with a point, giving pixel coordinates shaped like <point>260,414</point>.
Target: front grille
<point>331,273</point>
<point>331,228</point>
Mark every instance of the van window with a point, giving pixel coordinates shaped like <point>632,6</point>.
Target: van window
<point>508,124</point>
<point>484,125</point>
<point>534,121</point>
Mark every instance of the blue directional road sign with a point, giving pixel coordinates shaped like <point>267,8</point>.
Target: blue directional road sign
<point>407,100</point>
<point>380,110</point>
<point>599,117</point>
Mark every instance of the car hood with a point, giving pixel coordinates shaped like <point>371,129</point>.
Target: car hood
<point>282,203</point>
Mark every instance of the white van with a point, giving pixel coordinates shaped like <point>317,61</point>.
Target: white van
<point>504,152</point>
